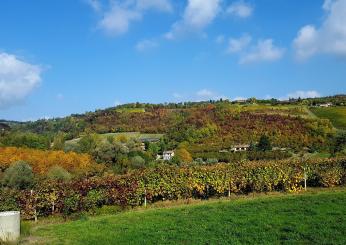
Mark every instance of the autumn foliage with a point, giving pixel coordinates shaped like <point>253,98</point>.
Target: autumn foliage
<point>171,183</point>
<point>41,161</point>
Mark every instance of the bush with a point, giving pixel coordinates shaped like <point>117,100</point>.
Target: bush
<point>19,176</point>
<point>8,200</point>
<point>94,199</point>
<point>137,162</point>
<point>58,173</point>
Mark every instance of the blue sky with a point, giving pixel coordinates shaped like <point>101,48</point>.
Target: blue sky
<point>70,56</point>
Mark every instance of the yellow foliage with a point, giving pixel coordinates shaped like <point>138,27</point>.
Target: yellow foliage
<point>41,161</point>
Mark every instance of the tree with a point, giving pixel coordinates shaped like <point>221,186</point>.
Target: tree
<point>59,141</point>
<point>110,153</point>
<point>19,176</point>
<point>264,143</point>
<point>88,143</point>
<point>137,162</point>
<point>183,155</point>
<point>59,174</point>
<point>339,143</point>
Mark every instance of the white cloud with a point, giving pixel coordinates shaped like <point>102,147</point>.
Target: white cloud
<point>160,5</point>
<point>197,15</point>
<point>329,38</point>
<point>94,4</point>
<point>119,15</point>
<point>239,98</point>
<point>177,95</point>
<point>302,94</point>
<point>206,94</point>
<point>263,51</point>
<point>117,20</point>
<point>17,79</point>
<point>145,45</point>
<point>240,9</point>
<point>238,44</point>
<point>200,95</point>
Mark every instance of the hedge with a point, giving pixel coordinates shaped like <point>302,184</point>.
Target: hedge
<point>171,183</point>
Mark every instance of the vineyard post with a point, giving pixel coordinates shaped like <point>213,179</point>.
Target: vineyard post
<point>145,197</point>
<point>305,177</point>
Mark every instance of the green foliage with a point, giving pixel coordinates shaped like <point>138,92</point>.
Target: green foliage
<point>339,143</point>
<point>88,143</point>
<point>59,141</point>
<point>337,115</point>
<point>264,143</point>
<point>71,204</point>
<point>137,162</point>
<point>19,175</point>
<point>58,173</point>
<point>29,140</point>
<point>94,199</point>
<point>110,153</point>
<point>8,200</point>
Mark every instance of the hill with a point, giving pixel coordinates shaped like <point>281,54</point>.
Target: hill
<point>316,217</point>
<point>203,126</point>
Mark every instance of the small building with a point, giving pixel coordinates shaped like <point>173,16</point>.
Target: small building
<point>237,148</point>
<point>167,155</point>
<point>325,105</point>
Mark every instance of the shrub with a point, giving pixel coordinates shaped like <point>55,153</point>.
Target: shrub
<point>94,199</point>
<point>137,162</point>
<point>183,155</point>
<point>71,204</point>
<point>58,173</point>
<point>19,176</point>
<point>8,200</point>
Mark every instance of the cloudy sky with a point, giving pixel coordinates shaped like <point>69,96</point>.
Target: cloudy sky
<point>60,57</point>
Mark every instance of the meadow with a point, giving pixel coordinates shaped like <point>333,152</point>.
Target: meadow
<point>337,115</point>
<point>315,217</point>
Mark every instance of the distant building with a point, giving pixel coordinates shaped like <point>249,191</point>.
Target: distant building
<point>325,105</point>
<point>168,155</point>
<point>237,148</point>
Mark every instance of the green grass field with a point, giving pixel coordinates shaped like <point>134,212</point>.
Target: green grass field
<point>337,115</point>
<point>316,217</point>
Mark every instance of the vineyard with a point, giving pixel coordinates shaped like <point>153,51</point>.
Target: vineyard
<point>172,183</point>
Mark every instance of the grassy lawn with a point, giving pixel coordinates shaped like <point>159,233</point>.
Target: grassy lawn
<point>316,217</point>
<point>337,115</point>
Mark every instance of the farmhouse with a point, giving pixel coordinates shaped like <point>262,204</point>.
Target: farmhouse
<point>325,105</point>
<point>237,148</point>
<point>166,156</point>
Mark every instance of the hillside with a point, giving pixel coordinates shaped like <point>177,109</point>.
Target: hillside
<point>316,217</point>
<point>205,126</point>
<point>337,115</point>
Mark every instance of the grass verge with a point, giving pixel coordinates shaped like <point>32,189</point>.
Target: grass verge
<point>316,217</point>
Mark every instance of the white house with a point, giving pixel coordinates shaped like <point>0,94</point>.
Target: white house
<point>326,105</point>
<point>168,155</point>
<point>237,148</point>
